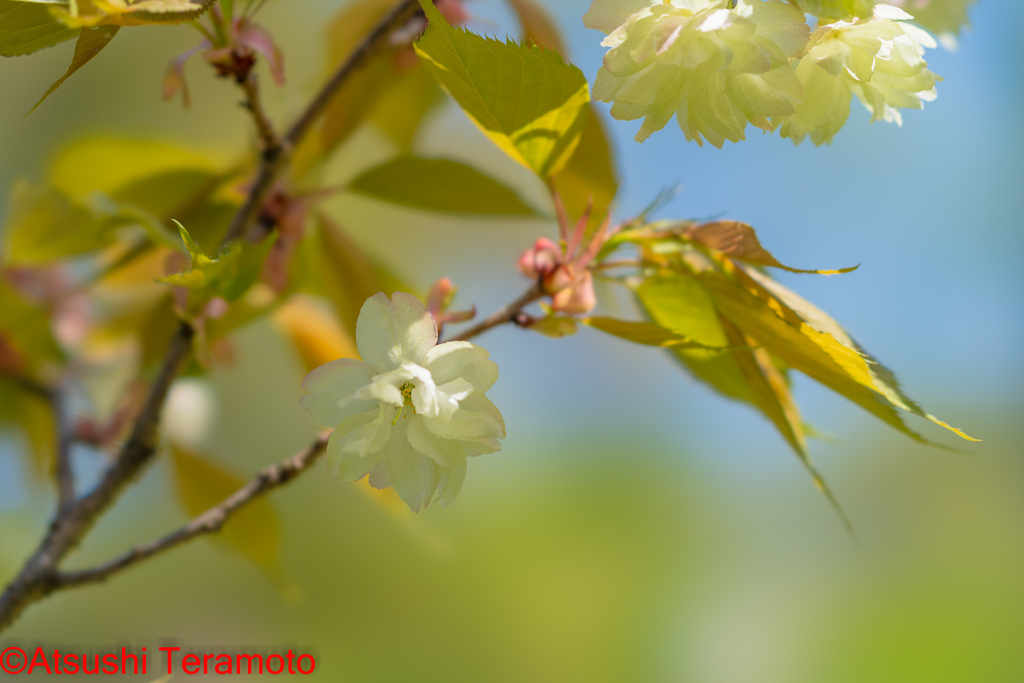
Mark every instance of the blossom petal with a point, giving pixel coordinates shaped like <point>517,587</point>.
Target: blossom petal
<point>444,452</point>
<point>383,388</point>
<point>415,475</point>
<point>456,359</point>
<point>356,446</point>
<point>390,330</point>
<point>477,418</point>
<point>329,384</point>
<point>379,477</point>
<point>608,15</point>
<point>450,482</point>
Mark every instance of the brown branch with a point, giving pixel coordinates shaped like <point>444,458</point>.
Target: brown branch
<point>253,102</point>
<point>275,158</point>
<point>65,437</point>
<point>37,578</point>
<point>209,522</point>
<point>505,314</point>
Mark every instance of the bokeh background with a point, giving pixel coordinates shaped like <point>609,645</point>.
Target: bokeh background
<point>635,527</point>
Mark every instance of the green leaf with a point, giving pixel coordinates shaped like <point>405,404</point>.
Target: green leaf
<point>434,184</point>
<point>554,326</point>
<point>29,26</point>
<point>112,165</point>
<point>90,42</point>
<point>529,102</point>
<point>201,484</point>
<point>44,225</point>
<point>644,333</point>
<point>229,274</point>
<point>148,183</point>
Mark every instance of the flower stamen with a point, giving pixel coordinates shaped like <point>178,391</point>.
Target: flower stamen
<point>406,390</point>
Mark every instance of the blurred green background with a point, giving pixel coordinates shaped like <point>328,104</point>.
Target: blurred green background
<point>635,527</point>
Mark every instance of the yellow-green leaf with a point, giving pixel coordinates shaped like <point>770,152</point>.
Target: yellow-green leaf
<point>201,484</point>
<point>644,333</point>
<point>745,372</point>
<point>229,274</point>
<point>810,341</point>
<point>554,326</point>
<point>590,176</point>
<point>90,42</point>
<point>29,26</point>
<point>435,184</point>
<point>528,101</point>
<point>680,304</point>
<point>402,108</point>
<point>44,225</point>
<point>361,92</point>
<point>31,416</point>
<point>110,164</point>
<point>26,327</point>
<point>91,13</point>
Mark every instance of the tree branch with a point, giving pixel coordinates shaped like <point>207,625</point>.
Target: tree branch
<point>65,436</point>
<point>209,522</point>
<point>275,159</point>
<point>253,102</point>
<point>37,578</point>
<point>505,314</point>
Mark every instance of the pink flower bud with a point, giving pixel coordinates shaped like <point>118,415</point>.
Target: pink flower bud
<point>577,298</point>
<point>540,261</point>
<point>440,297</point>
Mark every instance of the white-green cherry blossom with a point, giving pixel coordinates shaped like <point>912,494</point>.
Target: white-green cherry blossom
<point>411,412</point>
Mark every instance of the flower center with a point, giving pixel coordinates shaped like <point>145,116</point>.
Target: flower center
<point>406,390</point>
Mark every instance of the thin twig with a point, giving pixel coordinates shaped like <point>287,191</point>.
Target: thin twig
<point>253,102</point>
<point>505,314</point>
<point>275,159</point>
<point>65,437</point>
<point>209,522</point>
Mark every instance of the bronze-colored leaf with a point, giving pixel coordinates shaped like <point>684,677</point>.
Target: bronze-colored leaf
<point>739,241</point>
